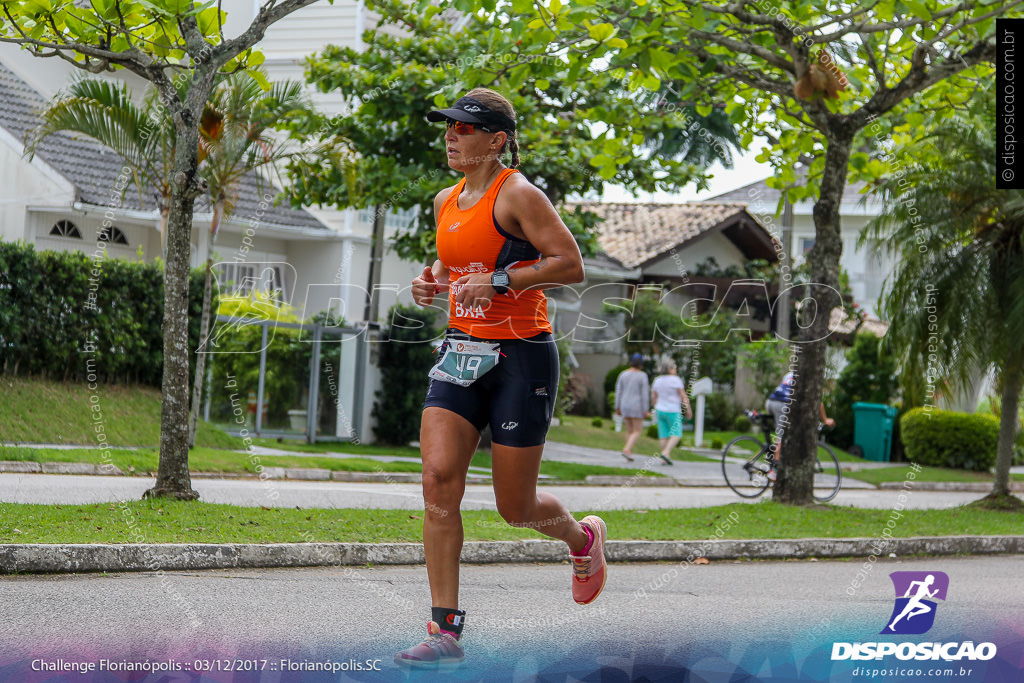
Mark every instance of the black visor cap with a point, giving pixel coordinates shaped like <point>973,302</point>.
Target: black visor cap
<point>469,110</point>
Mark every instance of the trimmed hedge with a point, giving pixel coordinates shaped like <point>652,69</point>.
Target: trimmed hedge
<point>943,438</point>
<point>45,321</point>
<point>406,356</point>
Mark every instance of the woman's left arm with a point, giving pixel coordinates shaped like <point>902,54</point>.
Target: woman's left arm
<point>560,262</point>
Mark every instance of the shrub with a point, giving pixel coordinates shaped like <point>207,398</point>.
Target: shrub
<point>609,386</point>
<point>943,438</point>
<point>767,360</point>
<point>741,424</point>
<point>721,411</point>
<point>597,422</point>
<point>612,377</point>
<point>716,444</point>
<point>406,356</point>
<point>49,308</point>
<point>652,431</point>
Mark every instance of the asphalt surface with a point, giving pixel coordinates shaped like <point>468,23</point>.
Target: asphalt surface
<point>775,620</point>
<point>79,489</point>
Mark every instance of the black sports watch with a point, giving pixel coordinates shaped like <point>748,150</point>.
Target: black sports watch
<point>500,281</point>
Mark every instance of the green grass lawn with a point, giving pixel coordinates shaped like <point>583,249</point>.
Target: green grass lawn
<point>41,411</point>
<point>197,522</point>
<point>579,431</point>
<point>569,471</point>
<point>145,461</point>
<point>899,474</point>
<point>300,446</point>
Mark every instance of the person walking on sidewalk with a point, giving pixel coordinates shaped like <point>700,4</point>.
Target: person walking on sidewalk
<point>499,243</point>
<point>632,401</point>
<point>668,394</point>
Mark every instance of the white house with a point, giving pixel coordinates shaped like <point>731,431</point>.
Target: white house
<point>59,200</point>
<point>866,267</point>
<point>663,246</point>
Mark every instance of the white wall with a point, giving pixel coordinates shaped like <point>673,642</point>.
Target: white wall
<point>22,185</point>
<point>867,268</point>
<point>685,260</point>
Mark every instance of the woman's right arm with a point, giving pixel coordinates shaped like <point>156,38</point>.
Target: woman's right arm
<point>434,279</point>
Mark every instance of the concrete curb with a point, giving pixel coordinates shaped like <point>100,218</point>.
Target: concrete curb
<point>316,474</point>
<point>969,486</point>
<point>64,558</point>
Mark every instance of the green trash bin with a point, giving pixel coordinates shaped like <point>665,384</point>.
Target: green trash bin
<point>872,429</point>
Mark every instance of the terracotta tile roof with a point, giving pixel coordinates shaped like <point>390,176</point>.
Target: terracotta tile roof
<point>634,234</point>
<point>840,324</point>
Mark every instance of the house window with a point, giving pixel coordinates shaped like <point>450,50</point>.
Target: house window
<point>112,235</point>
<point>398,219</point>
<point>241,279</point>
<point>236,279</point>
<point>65,228</point>
<point>806,243</point>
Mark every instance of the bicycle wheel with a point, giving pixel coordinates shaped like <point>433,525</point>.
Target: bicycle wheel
<point>828,475</point>
<point>744,466</point>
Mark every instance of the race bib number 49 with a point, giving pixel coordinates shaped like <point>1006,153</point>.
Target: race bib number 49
<point>464,362</point>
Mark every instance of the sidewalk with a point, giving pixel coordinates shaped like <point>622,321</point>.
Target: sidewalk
<point>681,473</point>
<point>688,484</point>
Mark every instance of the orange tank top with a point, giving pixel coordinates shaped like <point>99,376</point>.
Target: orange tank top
<point>471,241</point>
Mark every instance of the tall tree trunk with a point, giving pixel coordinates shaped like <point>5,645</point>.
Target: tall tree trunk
<point>204,330</point>
<point>173,479</point>
<point>800,439</point>
<point>376,261</point>
<point>1012,381</point>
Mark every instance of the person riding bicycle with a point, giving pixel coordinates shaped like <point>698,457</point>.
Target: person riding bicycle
<point>777,404</point>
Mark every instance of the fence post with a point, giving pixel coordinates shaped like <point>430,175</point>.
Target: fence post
<point>360,379</point>
<point>263,373</point>
<point>314,385</point>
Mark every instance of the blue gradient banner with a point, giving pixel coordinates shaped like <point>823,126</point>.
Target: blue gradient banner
<point>806,656</point>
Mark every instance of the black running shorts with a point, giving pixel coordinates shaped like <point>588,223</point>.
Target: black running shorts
<point>517,398</point>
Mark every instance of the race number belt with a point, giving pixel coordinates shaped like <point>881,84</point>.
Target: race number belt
<point>464,362</point>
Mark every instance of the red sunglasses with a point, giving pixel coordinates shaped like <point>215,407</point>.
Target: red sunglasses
<point>463,128</point>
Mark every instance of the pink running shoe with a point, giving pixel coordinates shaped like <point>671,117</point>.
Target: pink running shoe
<point>438,651</point>
<point>588,571</point>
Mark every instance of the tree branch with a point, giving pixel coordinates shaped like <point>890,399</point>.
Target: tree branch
<point>760,82</point>
<point>270,12</point>
<point>746,48</point>
<point>886,26</point>
<point>919,78</point>
<point>872,61</point>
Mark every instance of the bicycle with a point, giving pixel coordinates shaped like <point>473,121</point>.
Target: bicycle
<point>748,475</point>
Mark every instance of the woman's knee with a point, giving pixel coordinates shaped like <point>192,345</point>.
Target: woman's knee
<point>517,512</point>
<point>443,488</point>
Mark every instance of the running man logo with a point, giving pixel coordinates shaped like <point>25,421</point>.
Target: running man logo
<point>916,592</point>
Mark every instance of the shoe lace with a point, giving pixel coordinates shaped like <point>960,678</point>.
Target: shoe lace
<point>581,566</point>
<point>441,642</point>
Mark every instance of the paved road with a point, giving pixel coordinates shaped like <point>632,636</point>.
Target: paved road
<point>776,620</point>
<point>78,489</point>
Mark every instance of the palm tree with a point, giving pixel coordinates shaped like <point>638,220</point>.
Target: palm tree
<point>954,298</point>
<point>142,135</point>
<point>236,138</point>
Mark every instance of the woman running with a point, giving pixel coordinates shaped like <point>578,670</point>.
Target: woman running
<point>499,243</point>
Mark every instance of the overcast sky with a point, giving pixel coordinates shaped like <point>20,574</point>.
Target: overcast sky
<point>744,171</point>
